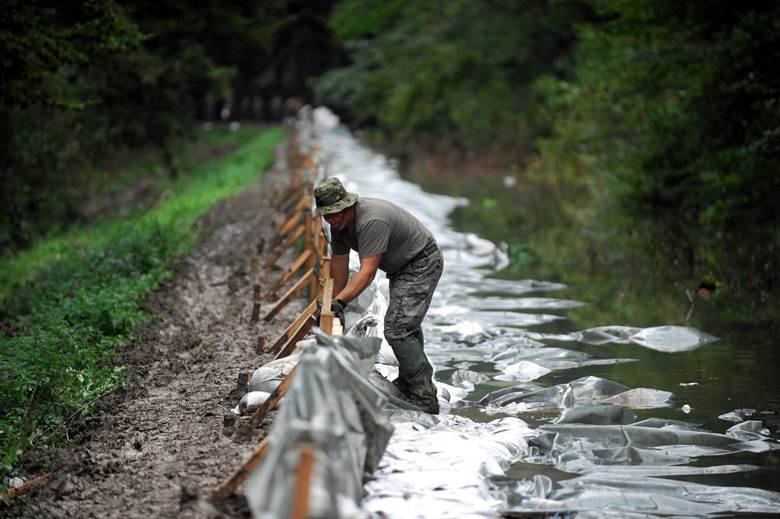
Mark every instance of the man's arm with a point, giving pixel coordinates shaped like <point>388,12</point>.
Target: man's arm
<point>356,285</point>
<point>339,271</point>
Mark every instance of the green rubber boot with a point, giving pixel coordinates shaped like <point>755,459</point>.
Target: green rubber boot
<point>415,373</point>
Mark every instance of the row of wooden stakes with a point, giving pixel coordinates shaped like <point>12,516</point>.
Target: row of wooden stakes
<point>299,222</point>
<point>295,203</point>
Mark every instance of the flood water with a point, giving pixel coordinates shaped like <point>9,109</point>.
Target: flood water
<point>485,333</point>
<point>738,371</point>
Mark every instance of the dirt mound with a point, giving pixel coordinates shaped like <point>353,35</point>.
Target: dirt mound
<point>157,447</point>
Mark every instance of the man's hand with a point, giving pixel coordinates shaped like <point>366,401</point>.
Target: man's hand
<point>337,307</point>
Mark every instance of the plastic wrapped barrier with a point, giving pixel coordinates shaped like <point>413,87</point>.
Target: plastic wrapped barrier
<point>333,408</point>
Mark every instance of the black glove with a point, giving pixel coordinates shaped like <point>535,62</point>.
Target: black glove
<point>337,306</point>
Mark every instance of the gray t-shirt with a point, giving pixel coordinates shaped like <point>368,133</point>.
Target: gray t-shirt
<point>383,227</point>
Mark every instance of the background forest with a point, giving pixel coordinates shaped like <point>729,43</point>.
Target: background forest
<point>653,121</point>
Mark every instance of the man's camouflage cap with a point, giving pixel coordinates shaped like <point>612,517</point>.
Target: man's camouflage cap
<point>331,197</point>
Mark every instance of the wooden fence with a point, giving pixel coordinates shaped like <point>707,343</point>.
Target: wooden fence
<point>310,270</point>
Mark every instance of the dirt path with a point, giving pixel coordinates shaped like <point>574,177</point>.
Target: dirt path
<point>158,447</point>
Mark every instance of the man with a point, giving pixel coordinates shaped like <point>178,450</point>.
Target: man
<point>386,237</point>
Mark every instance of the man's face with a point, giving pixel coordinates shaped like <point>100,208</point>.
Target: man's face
<point>339,221</point>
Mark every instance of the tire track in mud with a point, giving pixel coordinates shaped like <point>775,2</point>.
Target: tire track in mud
<point>157,446</point>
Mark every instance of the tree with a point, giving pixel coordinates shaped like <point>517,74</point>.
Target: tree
<point>676,103</point>
<point>459,70</point>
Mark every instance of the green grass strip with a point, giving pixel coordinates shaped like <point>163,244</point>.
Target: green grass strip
<point>82,297</point>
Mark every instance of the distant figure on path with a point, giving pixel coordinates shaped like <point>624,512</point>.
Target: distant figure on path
<point>386,237</point>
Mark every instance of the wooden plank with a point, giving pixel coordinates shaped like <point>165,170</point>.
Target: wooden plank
<point>299,262</point>
<point>293,328</point>
<point>25,487</point>
<point>326,316</point>
<point>236,480</point>
<point>290,191</point>
<point>287,206</point>
<point>272,401</point>
<point>311,245</point>
<point>299,334</point>
<point>286,245</point>
<point>327,294</point>
<point>326,322</point>
<point>288,225</point>
<point>255,303</point>
<point>319,237</point>
<point>322,242</point>
<point>337,328</point>
<point>308,236</point>
<point>282,302</point>
<point>305,470</point>
<point>324,268</point>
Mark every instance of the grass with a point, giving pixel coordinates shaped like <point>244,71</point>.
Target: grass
<point>126,185</point>
<point>68,304</point>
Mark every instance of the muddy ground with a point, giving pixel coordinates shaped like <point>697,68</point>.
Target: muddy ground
<point>158,447</point>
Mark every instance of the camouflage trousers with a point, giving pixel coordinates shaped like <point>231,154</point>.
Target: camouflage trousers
<point>411,291</point>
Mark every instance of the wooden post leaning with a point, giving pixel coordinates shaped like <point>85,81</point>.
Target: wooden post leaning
<point>270,404</point>
<point>25,487</point>
<point>286,245</point>
<point>292,292</point>
<point>256,295</point>
<point>293,329</point>
<point>305,258</point>
<point>236,480</point>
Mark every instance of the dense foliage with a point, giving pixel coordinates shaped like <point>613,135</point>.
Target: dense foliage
<point>61,328</point>
<point>676,105</point>
<point>456,70</point>
<point>667,109</point>
<point>82,80</point>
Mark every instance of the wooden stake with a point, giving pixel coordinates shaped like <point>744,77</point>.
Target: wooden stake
<point>284,196</point>
<point>256,303</point>
<point>322,244</point>
<point>299,334</point>
<point>270,404</point>
<point>282,302</point>
<point>24,487</point>
<point>231,485</point>
<point>289,224</point>
<point>286,245</point>
<point>303,483</point>
<point>287,206</point>
<point>324,268</point>
<point>299,262</point>
<point>311,245</point>
<point>326,316</point>
<point>294,327</point>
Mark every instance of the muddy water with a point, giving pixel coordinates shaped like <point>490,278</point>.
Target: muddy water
<point>485,334</point>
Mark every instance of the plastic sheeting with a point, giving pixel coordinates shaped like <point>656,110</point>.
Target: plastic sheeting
<point>644,448</point>
<point>669,339</point>
<point>614,495</point>
<point>479,336</point>
<point>586,390</point>
<point>443,470</point>
<point>331,406</point>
